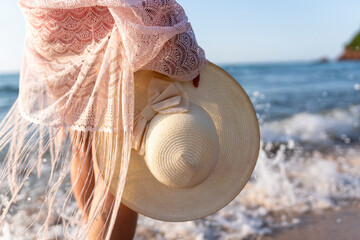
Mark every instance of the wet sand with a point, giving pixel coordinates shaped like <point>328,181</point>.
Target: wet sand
<point>343,224</point>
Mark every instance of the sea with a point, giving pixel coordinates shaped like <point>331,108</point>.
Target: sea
<point>309,161</point>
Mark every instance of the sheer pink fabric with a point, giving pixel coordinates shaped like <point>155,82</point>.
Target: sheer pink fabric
<point>77,78</point>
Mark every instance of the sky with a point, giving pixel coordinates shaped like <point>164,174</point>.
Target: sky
<point>236,31</point>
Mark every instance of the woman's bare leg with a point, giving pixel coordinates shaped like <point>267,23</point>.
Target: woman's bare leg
<point>83,170</point>
<point>82,173</point>
<point>125,224</point>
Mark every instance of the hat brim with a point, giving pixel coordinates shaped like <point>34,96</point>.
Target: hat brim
<point>235,120</point>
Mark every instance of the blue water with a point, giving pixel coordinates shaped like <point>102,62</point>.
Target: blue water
<point>281,90</point>
<point>9,88</point>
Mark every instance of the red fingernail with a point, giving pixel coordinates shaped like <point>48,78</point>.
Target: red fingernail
<point>196,81</point>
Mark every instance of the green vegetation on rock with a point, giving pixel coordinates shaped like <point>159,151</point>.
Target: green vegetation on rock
<point>355,43</point>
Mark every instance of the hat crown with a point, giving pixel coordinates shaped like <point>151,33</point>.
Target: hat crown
<point>182,149</point>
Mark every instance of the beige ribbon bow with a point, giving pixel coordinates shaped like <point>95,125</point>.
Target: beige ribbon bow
<point>165,97</point>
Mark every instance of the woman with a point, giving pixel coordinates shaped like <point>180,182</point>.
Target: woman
<point>77,79</point>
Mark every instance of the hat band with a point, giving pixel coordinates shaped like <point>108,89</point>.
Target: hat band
<point>164,97</point>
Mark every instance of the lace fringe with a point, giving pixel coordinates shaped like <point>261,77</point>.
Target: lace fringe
<point>26,146</point>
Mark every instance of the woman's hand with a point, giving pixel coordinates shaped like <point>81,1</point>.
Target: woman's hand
<point>196,81</point>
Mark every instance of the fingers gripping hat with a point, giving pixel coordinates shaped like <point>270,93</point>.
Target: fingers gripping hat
<point>194,149</point>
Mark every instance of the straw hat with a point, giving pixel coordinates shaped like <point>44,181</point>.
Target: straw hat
<point>192,156</point>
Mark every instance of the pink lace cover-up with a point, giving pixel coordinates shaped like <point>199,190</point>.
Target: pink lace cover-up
<point>77,78</point>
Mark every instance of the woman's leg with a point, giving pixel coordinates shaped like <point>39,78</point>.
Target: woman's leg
<point>82,173</point>
<point>125,224</point>
<point>83,169</point>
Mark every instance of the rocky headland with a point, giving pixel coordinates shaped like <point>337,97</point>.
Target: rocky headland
<point>352,50</point>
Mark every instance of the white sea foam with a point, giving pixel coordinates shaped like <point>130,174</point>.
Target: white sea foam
<point>326,128</point>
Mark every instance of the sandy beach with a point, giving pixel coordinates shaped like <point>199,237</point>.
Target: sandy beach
<point>341,224</point>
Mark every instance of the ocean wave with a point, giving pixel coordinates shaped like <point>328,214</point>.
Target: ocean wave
<point>336,126</point>
<point>9,89</point>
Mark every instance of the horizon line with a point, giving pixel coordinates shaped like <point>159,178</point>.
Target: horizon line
<point>226,63</point>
